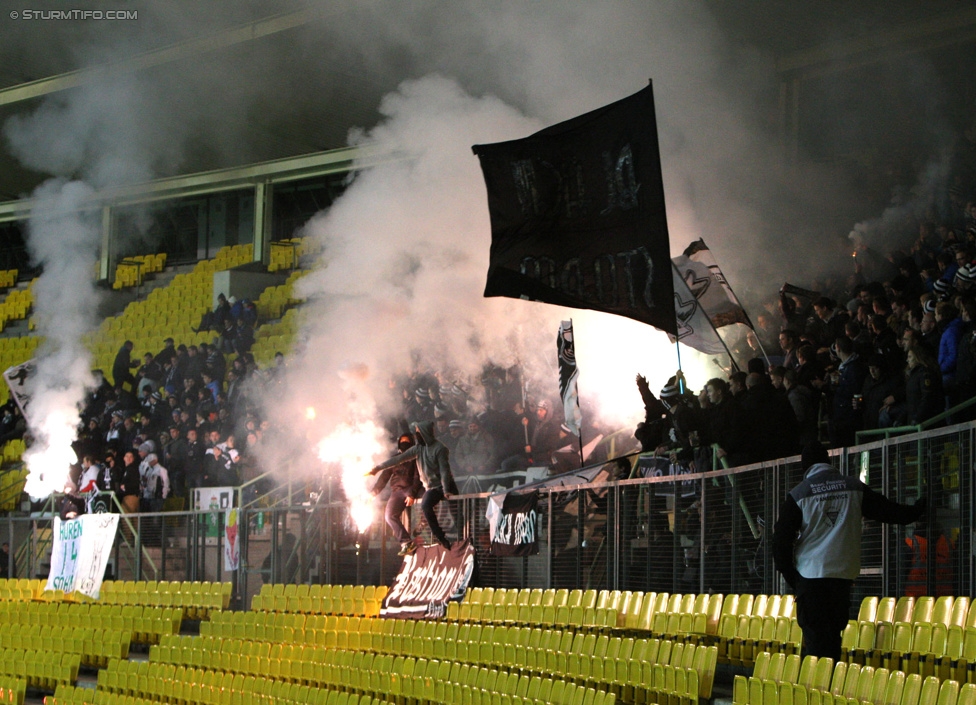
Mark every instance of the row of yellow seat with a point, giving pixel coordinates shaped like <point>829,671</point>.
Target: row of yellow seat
<point>41,669</point>
<point>675,616</point>
<point>198,599</point>
<point>598,659</point>
<point>21,589</point>
<point>8,277</point>
<point>914,648</point>
<point>947,610</point>
<point>394,679</point>
<point>784,680</point>
<point>13,690</point>
<point>742,639</point>
<point>362,600</point>
<point>132,270</point>
<point>908,631</point>
<point>208,693</point>
<point>144,625</point>
<point>17,305</point>
<point>95,646</point>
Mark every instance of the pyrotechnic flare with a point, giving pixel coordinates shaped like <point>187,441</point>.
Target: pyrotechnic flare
<point>352,448</point>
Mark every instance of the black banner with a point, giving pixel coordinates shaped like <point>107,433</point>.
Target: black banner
<point>428,580</point>
<point>659,466</point>
<point>513,525</point>
<point>577,215</point>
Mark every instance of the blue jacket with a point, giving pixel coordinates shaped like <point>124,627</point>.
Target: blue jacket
<point>949,349</point>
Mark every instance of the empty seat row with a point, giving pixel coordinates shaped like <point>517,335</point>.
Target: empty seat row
<point>197,599</point>
<point>782,680</point>
<point>320,599</point>
<point>389,678</point>
<point>577,656</point>
<point>923,647</point>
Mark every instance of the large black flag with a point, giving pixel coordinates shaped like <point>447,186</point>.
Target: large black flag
<point>577,215</point>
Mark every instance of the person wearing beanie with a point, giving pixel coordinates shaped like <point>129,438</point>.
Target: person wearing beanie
<point>432,462</point>
<point>817,545</point>
<point>405,489</point>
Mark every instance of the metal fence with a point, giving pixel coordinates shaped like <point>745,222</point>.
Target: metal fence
<point>687,534</point>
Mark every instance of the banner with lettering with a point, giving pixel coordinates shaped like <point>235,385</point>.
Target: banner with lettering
<point>80,553</point>
<point>428,580</point>
<point>577,215</point>
<point>651,465</point>
<point>512,523</point>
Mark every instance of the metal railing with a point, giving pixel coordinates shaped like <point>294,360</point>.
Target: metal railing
<point>694,532</point>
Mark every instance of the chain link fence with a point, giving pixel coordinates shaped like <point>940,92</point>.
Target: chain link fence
<point>687,533</point>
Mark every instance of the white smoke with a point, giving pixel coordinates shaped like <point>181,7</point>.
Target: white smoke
<point>96,134</point>
<point>403,270</point>
<point>63,239</point>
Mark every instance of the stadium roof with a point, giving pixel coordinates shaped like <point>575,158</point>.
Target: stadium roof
<point>304,100</point>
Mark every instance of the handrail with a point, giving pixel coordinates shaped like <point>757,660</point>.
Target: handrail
<point>864,436</point>
<point>48,511</point>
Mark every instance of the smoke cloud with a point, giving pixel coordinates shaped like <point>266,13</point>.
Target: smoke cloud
<point>64,239</point>
<point>405,249</point>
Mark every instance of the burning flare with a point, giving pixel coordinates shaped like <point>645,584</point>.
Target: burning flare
<point>49,465</point>
<point>353,449</point>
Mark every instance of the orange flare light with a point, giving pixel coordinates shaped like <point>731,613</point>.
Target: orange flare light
<point>353,448</point>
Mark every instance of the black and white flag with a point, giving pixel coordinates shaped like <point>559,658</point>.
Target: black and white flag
<point>568,375</point>
<point>512,522</point>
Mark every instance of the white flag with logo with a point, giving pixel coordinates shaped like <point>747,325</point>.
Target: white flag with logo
<point>694,327</point>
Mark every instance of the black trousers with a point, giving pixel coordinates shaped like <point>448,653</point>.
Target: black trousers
<point>823,607</point>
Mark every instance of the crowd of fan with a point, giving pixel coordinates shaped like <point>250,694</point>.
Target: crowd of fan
<point>824,363</point>
<point>874,354</point>
<point>490,429</point>
<point>178,420</point>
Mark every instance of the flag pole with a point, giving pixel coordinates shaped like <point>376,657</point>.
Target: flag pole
<point>681,381</point>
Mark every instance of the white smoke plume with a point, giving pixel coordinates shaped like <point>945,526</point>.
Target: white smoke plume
<point>88,141</point>
<point>63,238</point>
<point>401,280</point>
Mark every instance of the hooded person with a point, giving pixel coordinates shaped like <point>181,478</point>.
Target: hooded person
<point>405,489</point>
<point>434,466</point>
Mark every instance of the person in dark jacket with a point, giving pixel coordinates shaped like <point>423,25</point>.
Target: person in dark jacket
<point>725,424</point>
<point>845,383</point>
<point>817,546</point>
<point>806,407</point>
<point>405,489</point>
<point>123,364</point>
<point>129,488</point>
<point>923,388</point>
<point>878,386</point>
<point>770,420</point>
<point>435,472</point>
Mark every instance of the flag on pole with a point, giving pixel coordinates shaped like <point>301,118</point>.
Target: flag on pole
<point>702,275</point>
<point>577,214</point>
<point>568,374</point>
<point>694,328</point>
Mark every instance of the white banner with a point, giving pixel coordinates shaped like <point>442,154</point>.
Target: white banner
<point>20,382</point>
<point>232,544</point>
<point>80,552</point>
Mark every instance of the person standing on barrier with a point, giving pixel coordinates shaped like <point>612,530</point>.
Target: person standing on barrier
<point>435,472</point>
<point>817,545</point>
<point>405,488</point>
